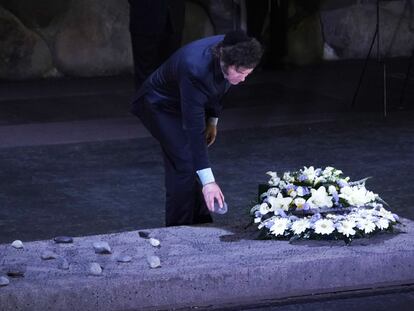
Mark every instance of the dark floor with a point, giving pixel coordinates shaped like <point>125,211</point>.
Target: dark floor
<point>98,187</point>
<point>393,301</point>
<point>116,185</point>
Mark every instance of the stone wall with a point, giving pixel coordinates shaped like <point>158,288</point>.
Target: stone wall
<point>349,28</point>
<point>83,38</point>
<point>23,53</point>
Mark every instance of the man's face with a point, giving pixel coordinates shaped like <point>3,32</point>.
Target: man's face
<point>235,75</point>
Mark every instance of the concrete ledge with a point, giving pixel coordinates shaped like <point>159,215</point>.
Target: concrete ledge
<point>201,266</point>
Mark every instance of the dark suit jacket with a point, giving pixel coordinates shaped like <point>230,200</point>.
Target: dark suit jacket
<point>190,84</point>
<point>150,17</point>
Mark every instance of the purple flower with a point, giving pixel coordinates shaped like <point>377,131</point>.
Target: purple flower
<point>302,177</point>
<point>315,218</point>
<point>318,172</point>
<point>342,183</point>
<point>335,197</point>
<point>302,191</point>
<point>290,187</point>
<point>306,206</point>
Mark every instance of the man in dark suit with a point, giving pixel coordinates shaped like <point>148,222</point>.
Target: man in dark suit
<point>156,28</point>
<point>179,104</point>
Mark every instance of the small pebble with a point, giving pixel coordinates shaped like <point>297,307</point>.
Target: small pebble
<point>154,262</point>
<point>95,269</point>
<point>102,248</point>
<point>4,281</point>
<point>63,239</point>
<point>143,234</point>
<point>63,264</point>
<point>154,242</point>
<point>15,273</point>
<point>47,255</point>
<point>124,259</point>
<point>17,244</point>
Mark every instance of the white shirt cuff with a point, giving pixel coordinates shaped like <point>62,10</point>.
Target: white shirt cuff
<point>206,176</point>
<point>213,121</point>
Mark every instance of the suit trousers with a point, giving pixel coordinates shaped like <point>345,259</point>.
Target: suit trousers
<point>185,203</point>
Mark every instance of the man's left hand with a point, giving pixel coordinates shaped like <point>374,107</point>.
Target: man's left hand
<point>211,133</point>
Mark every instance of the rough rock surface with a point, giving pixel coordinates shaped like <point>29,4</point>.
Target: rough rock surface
<point>197,23</point>
<point>93,39</point>
<point>350,30</point>
<point>37,14</point>
<point>23,53</point>
<point>221,14</point>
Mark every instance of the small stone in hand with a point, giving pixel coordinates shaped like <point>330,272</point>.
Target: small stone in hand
<point>219,210</point>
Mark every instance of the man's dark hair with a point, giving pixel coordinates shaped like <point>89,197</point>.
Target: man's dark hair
<point>240,50</point>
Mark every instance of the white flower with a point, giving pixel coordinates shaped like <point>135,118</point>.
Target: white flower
<point>272,174</point>
<point>324,226</point>
<point>366,225</point>
<point>300,226</point>
<point>320,198</point>
<point>264,209</point>
<point>366,213</point>
<point>319,188</point>
<point>382,223</point>
<point>332,189</point>
<point>319,179</point>
<point>254,209</point>
<point>310,173</point>
<point>274,179</point>
<point>386,214</point>
<point>279,202</point>
<point>330,216</point>
<point>282,184</point>
<point>299,202</point>
<point>327,171</point>
<point>346,227</point>
<point>273,191</point>
<point>301,191</point>
<point>279,226</point>
<point>288,178</point>
<point>356,196</point>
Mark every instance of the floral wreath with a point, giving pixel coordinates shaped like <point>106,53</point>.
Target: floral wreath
<point>320,204</point>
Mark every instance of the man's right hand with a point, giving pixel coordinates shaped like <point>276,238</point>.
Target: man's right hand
<point>211,192</point>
